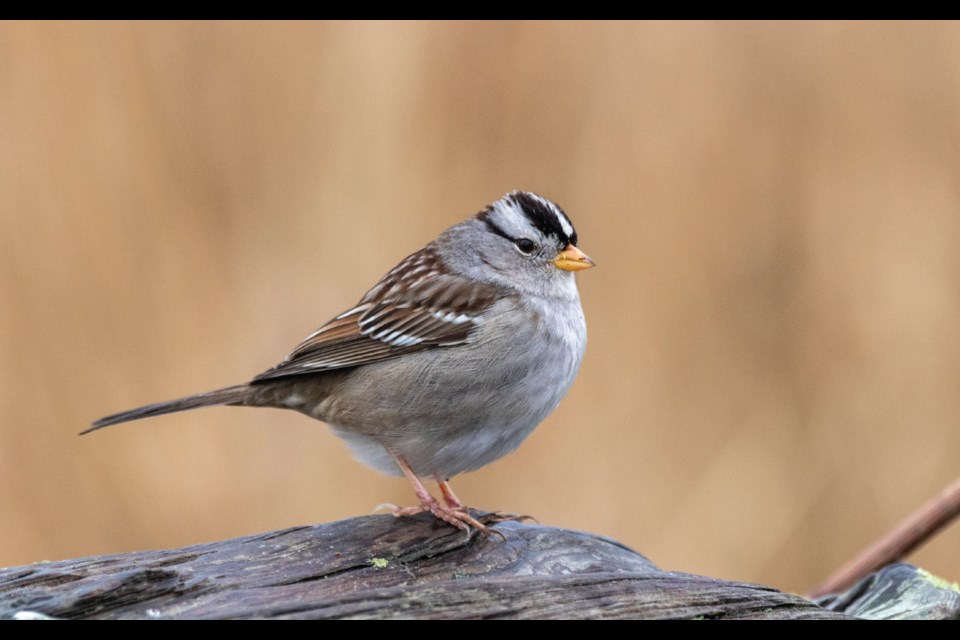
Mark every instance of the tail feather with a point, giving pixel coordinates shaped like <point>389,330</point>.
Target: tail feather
<point>228,395</point>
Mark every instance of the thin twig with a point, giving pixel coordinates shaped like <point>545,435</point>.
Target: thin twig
<point>916,529</point>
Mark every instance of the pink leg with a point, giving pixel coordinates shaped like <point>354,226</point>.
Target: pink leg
<point>455,503</point>
<point>454,514</point>
<point>448,495</point>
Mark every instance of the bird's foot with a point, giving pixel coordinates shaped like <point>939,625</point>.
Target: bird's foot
<point>458,517</point>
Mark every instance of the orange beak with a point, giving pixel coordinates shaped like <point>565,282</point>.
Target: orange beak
<point>572,259</point>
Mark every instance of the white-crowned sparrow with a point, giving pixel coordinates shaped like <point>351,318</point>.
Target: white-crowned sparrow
<point>449,362</point>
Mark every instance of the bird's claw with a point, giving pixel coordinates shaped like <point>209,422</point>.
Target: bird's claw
<point>458,517</point>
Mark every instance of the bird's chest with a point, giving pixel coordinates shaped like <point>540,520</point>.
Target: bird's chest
<point>546,356</point>
<point>523,369</point>
<point>450,410</point>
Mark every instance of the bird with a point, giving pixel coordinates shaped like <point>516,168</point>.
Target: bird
<point>448,363</point>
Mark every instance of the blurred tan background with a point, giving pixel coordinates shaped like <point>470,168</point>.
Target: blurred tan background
<point>772,374</point>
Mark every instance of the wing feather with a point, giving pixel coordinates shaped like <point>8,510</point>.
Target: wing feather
<point>418,305</point>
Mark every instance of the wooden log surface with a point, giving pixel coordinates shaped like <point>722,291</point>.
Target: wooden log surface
<point>384,567</point>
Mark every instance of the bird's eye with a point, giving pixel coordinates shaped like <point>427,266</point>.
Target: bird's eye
<point>525,245</point>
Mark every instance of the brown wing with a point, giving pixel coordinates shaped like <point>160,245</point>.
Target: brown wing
<point>418,305</point>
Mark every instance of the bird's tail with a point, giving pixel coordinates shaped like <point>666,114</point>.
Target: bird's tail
<point>227,395</point>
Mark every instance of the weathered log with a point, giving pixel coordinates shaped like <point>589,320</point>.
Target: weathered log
<point>383,567</point>
<point>898,592</point>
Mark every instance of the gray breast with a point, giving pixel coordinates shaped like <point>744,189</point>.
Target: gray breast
<point>455,409</point>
